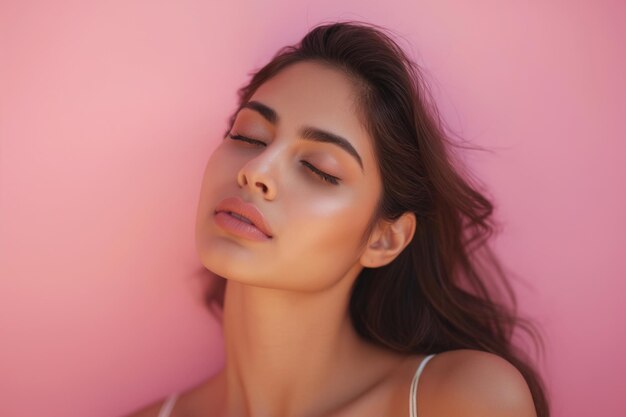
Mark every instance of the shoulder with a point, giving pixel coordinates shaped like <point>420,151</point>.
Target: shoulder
<point>199,400</point>
<point>469,383</point>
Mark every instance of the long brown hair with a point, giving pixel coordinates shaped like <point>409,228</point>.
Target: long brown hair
<point>436,295</point>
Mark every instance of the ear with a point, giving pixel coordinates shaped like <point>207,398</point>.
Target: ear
<point>387,240</point>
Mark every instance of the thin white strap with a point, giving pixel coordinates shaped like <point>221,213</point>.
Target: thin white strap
<point>413,397</point>
<point>168,405</point>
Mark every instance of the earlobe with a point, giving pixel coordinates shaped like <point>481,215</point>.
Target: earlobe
<point>388,240</point>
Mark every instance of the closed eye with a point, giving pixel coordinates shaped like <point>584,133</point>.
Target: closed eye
<point>321,174</point>
<point>324,176</point>
<point>245,139</point>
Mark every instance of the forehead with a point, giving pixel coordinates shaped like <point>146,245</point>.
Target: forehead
<point>312,86</point>
<point>314,94</point>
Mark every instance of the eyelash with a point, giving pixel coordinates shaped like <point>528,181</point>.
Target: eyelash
<point>323,176</point>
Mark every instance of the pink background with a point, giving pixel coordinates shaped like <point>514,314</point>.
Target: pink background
<point>109,110</point>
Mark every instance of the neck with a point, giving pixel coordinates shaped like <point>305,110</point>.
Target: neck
<point>292,354</point>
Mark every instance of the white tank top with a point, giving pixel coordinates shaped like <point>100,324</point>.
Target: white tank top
<point>168,404</point>
<point>416,377</point>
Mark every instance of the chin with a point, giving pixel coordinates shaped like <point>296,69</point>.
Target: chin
<point>231,261</point>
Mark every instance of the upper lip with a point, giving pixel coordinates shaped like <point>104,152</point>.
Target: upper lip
<point>247,210</point>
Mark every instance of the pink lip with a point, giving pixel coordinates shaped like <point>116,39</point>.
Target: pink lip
<point>236,205</point>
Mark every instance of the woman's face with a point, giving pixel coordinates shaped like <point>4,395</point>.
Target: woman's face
<point>316,225</point>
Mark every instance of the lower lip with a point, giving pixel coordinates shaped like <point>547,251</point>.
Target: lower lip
<point>239,228</point>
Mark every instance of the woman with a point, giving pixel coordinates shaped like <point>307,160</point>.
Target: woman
<point>348,243</point>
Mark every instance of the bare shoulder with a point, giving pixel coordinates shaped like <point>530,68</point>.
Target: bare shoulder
<point>199,400</point>
<point>469,383</point>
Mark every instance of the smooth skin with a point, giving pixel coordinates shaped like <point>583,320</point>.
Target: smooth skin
<point>291,350</point>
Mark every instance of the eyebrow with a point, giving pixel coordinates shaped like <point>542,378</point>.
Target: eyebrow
<point>306,132</point>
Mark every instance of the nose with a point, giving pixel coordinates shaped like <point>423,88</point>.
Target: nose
<point>257,176</point>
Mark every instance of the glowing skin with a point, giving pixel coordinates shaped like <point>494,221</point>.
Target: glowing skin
<point>291,350</point>
<point>316,225</point>
<point>288,337</point>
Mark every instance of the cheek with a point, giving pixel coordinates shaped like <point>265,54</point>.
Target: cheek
<point>221,168</point>
<point>329,223</point>
<point>321,243</point>
<point>219,174</point>
<point>223,160</point>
